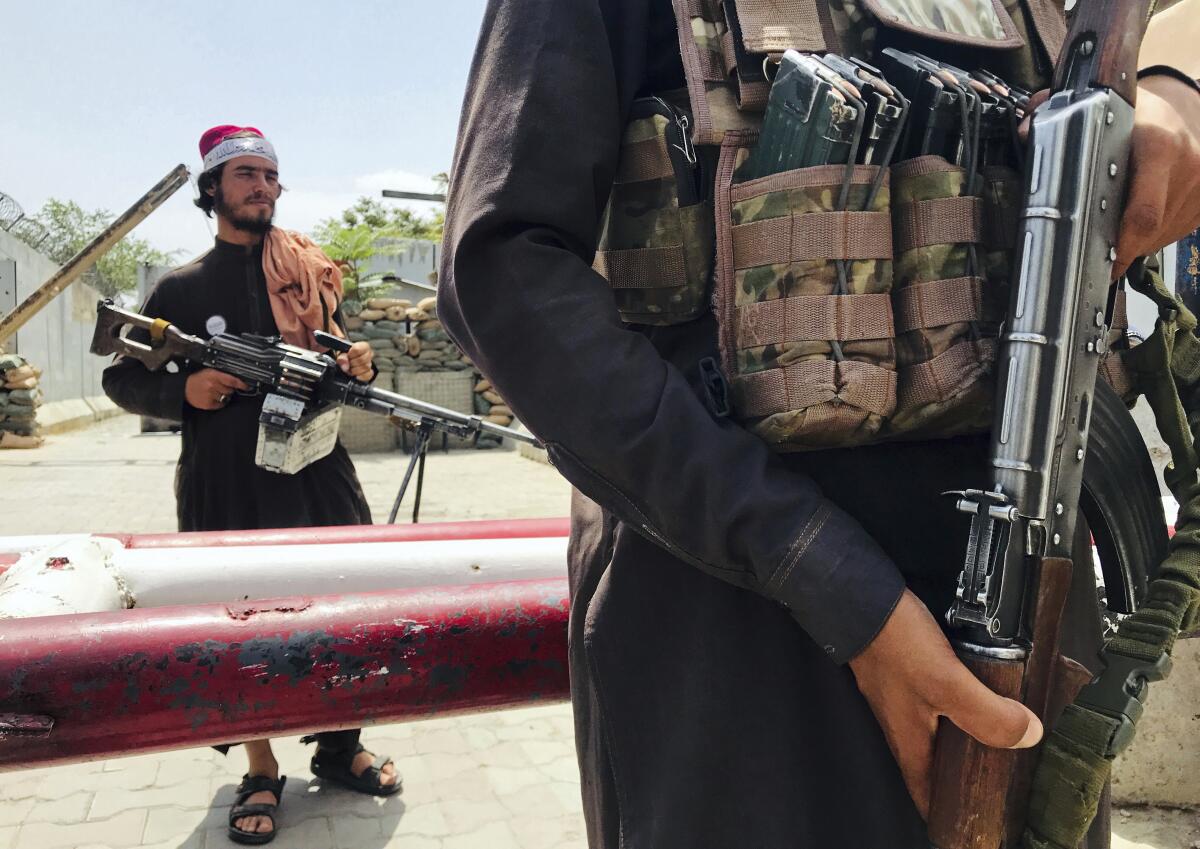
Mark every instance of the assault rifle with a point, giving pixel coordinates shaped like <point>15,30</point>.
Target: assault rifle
<point>304,390</point>
<point>1012,590</point>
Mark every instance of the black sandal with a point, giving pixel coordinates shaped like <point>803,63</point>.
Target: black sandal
<point>335,767</point>
<point>250,785</point>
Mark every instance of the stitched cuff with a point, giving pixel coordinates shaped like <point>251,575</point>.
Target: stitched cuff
<point>837,583</point>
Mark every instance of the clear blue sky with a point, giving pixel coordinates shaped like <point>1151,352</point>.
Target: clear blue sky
<point>101,98</point>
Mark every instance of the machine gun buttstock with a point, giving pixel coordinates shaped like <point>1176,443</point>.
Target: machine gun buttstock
<point>166,340</point>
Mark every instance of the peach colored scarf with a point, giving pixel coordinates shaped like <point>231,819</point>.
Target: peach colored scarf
<point>304,285</point>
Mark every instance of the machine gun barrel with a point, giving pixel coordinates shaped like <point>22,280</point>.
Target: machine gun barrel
<point>399,406</point>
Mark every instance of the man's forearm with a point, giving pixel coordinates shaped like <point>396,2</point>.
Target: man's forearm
<point>137,390</point>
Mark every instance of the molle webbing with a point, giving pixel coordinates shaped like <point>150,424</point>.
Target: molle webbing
<point>939,221</point>
<point>937,303</point>
<point>641,268</point>
<point>816,235</point>
<point>854,387</point>
<point>811,318</point>
<point>654,248</point>
<point>943,351</point>
<point>802,301</point>
<point>645,159</point>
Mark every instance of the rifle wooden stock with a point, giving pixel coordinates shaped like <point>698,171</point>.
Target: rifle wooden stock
<point>980,793</point>
<point>970,779</point>
<point>1116,28</point>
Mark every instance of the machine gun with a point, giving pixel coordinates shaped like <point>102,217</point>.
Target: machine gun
<point>304,390</point>
<point>1011,593</point>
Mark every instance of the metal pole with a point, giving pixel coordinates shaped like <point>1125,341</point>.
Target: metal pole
<point>101,685</point>
<point>340,535</point>
<point>92,252</point>
<point>399,195</point>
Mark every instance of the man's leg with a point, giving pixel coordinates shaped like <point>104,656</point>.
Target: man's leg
<point>260,761</point>
<point>341,741</point>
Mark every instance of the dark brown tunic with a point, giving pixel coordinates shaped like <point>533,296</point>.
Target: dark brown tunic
<point>217,485</point>
<point>717,590</point>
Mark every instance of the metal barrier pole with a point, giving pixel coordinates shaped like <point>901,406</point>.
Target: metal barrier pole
<point>77,688</point>
<point>92,252</point>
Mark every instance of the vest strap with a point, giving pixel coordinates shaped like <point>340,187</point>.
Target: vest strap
<point>813,236</point>
<point>937,303</point>
<point>936,380</point>
<point>642,268</point>
<point>647,159</point>
<point>772,26</point>
<point>801,385</point>
<point>940,221</point>
<point>815,318</point>
<point>826,176</point>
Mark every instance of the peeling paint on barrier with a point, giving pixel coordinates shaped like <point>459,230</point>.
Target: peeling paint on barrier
<point>163,678</point>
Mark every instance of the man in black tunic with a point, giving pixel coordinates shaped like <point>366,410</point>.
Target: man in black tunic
<point>743,646</point>
<point>217,484</point>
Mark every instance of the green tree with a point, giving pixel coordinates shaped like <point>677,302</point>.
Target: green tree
<point>69,227</point>
<point>364,230</point>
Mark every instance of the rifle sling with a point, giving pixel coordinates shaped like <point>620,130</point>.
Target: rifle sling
<point>1077,756</point>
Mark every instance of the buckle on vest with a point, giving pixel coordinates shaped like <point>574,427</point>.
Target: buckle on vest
<point>1120,693</point>
<point>715,388</point>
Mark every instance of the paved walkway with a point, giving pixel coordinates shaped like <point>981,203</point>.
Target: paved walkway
<point>504,780</point>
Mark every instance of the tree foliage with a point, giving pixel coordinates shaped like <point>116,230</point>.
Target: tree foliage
<point>70,227</point>
<point>364,231</point>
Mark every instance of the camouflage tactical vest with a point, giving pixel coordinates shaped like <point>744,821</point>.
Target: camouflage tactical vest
<point>904,346</point>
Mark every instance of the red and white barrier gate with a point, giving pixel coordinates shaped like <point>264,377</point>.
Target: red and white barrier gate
<point>200,661</point>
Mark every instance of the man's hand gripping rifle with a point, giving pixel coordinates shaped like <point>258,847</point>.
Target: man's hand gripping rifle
<point>300,386</point>
<point>1013,586</point>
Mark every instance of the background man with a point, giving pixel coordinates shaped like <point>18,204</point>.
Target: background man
<point>257,279</point>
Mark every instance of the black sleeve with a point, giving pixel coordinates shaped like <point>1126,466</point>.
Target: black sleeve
<point>136,389</point>
<point>549,87</point>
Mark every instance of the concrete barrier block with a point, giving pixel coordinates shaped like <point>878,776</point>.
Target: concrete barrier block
<point>59,416</point>
<point>102,407</point>
<point>1160,768</point>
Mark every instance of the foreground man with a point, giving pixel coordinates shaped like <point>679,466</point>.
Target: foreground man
<point>257,279</point>
<point>748,667</point>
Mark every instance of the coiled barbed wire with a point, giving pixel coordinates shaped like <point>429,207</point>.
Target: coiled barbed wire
<point>10,211</point>
<point>14,220</point>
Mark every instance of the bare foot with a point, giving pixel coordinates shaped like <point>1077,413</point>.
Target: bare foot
<point>387,775</point>
<point>257,824</point>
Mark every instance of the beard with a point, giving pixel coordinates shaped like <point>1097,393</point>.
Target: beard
<point>250,219</point>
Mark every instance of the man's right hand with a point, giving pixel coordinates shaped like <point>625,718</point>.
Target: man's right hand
<point>910,676</point>
<point>209,389</point>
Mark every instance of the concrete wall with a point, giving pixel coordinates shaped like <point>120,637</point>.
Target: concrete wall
<point>56,340</point>
<point>413,259</point>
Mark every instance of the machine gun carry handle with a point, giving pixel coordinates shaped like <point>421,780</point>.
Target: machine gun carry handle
<point>333,343</point>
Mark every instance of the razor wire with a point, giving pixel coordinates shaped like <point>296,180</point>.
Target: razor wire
<point>14,220</point>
